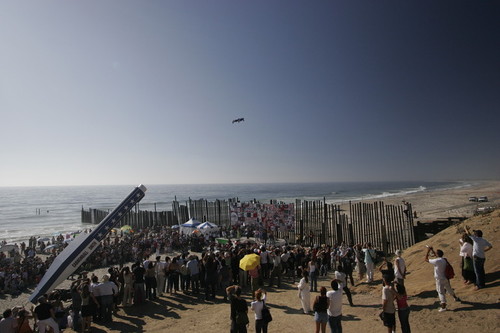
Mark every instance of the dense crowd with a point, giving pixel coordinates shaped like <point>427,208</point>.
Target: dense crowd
<point>160,262</point>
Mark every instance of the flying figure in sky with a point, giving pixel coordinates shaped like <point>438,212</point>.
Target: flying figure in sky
<point>238,120</point>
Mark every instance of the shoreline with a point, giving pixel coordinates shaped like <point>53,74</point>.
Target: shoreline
<point>422,202</point>
<point>444,203</point>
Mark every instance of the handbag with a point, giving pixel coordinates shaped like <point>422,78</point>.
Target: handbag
<point>266,313</point>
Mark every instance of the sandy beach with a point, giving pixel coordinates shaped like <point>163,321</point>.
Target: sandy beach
<point>431,205</point>
<point>478,311</point>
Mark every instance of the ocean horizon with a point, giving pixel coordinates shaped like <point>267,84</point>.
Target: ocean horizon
<point>49,210</point>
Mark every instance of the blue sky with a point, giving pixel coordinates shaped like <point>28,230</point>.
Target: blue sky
<point>128,92</point>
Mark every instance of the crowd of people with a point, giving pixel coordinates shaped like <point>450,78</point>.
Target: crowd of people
<point>146,265</point>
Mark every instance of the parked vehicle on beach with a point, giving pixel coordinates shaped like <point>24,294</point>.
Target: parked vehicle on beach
<point>483,199</point>
<point>473,199</point>
<point>484,210</point>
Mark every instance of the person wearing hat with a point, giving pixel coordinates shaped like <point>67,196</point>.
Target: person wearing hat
<point>107,289</point>
<point>479,248</point>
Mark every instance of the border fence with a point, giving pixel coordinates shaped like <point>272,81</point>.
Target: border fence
<point>387,227</point>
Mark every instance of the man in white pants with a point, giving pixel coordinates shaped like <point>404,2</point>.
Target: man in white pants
<point>45,314</point>
<point>160,275</point>
<point>370,255</point>
<point>442,283</point>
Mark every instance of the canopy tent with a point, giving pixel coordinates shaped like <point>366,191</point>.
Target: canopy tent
<point>208,227</point>
<point>192,223</point>
<point>187,228</point>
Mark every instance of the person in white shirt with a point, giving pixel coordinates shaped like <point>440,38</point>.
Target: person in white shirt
<point>370,255</point>
<point>341,278</point>
<point>194,269</point>
<point>304,293</point>
<point>399,268</point>
<point>106,290</point>
<point>160,275</point>
<point>335,308</point>
<point>442,283</point>
<point>479,248</point>
<point>257,306</point>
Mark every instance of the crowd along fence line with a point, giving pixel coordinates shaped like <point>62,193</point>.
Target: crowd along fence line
<point>387,227</point>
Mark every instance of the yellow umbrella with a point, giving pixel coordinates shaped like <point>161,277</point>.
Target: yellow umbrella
<point>249,262</point>
<point>126,228</point>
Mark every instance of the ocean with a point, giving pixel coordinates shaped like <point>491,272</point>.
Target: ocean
<point>48,211</point>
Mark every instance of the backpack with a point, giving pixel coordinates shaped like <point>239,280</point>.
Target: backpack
<point>321,304</point>
<point>449,273</point>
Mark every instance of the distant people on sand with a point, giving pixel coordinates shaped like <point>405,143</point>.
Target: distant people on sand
<point>479,248</point>
<point>406,209</point>
<point>443,285</point>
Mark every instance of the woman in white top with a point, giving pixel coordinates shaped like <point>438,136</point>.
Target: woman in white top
<point>304,293</point>
<point>467,262</point>
<point>257,306</point>
<point>127,286</point>
<point>313,274</point>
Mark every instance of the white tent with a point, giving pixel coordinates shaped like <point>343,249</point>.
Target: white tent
<point>189,226</point>
<point>208,227</point>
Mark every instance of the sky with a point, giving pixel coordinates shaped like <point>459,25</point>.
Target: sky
<point>128,92</point>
